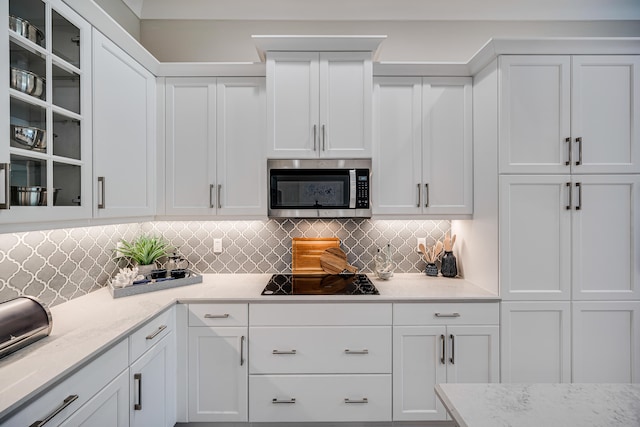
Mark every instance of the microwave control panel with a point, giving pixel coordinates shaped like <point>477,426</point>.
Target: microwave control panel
<point>362,189</point>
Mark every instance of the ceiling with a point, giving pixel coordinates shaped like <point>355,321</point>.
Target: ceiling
<point>386,10</point>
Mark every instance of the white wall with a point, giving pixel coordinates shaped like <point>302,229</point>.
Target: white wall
<point>448,41</point>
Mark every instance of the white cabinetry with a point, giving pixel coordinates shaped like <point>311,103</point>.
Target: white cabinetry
<point>437,343</point>
<point>422,146</point>
<point>152,374</point>
<point>92,396</point>
<point>217,365</point>
<point>49,180</point>
<point>215,151</point>
<point>124,133</point>
<point>606,341</point>
<point>319,104</point>
<point>333,366</point>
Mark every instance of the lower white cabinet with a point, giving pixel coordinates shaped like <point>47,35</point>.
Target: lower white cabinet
<point>217,363</point>
<point>439,343</point>
<point>606,341</point>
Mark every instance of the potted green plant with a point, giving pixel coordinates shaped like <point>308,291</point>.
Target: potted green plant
<point>144,251</point>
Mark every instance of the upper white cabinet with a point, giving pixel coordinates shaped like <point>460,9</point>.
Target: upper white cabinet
<point>215,151</point>
<point>124,133</point>
<point>48,152</point>
<point>422,146</point>
<point>552,242</point>
<point>561,114</point>
<point>319,104</point>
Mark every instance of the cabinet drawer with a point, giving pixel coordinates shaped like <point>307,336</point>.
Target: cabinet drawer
<point>74,391</point>
<point>351,314</point>
<point>446,313</point>
<point>150,333</point>
<point>218,315</point>
<point>321,349</point>
<point>319,398</point>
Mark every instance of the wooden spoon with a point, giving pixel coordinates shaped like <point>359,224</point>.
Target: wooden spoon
<point>425,252</point>
<point>334,261</point>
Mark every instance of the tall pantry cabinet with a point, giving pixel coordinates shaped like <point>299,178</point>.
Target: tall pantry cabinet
<point>569,209</point>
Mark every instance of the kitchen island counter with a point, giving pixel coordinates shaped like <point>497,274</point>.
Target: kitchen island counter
<point>548,405</point>
<point>87,326</point>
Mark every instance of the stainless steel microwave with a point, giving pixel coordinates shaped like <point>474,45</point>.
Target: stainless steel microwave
<point>319,188</point>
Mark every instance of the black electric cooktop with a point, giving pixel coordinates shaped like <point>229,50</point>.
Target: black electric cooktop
<point>329,284</point>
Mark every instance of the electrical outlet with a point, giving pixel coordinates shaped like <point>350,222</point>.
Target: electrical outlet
<point>422,240</point>
<point>118,253</point>
<point>217,246</point>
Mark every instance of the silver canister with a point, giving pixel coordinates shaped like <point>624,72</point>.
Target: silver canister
<point>23,320</point>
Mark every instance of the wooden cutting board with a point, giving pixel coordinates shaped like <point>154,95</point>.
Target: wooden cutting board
<point>334,261</point>
<point>306,252</point>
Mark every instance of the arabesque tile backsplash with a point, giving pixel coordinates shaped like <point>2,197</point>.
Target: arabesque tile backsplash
<point>58,265</point>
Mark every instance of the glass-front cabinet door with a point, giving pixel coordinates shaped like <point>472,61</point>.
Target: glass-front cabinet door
<point>47,157</point>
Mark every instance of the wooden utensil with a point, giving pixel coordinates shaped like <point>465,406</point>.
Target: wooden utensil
<point>448,242</point>
<point>334,261</point>
<point>424,251</point>
<point>306,252</point>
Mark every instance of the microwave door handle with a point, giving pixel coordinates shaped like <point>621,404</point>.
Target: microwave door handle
<point>352,188</point>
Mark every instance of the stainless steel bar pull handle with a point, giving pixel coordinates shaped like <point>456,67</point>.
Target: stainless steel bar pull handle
<point>363,400</point>
<point>284,352</point>
<point>276,400</point>
<point>65,403</point>
<point>211,205</point>
<point>426,195</point>
<point>455,314</point>
<point>216,316</point>
<point>101,203</point>
<point>6,167</point>
<point>324,137</point>
<point>363,351</point>
<point>579,187</point>
<point>419,196</point>
<point>156,332</point>
<point>452,359</point>
<point>137,378</point>
<point>242,350</point>
<point>568,207</point>
<point>568,161</point>
<point>579,141</point>
<point>442,350</point>
<point>315,136</point>
<point>218,196</point>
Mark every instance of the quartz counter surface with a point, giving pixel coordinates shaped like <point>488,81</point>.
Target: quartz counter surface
<point>548,405</point>
<point>86,327</point>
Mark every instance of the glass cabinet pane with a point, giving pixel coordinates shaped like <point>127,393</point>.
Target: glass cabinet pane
<point>28,181</point>
<point>66,89</point>
<point>66,184</point>
<point>28,70</point>
<point>66,39</point>
<point>66,137</point>
<point>27,19</point>
<point>28,126</point>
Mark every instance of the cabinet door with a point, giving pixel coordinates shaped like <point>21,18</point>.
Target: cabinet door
<point>534,114</point>
<point>124,133</point>
<point>606,342</point>
<point>345,104</point>
<point>535,342</point>
<point>108,408</point>
<point>535,237</point>
<point>397,145</point>
<point>606,238</point>
<point>605,111</point>
<point>241,159</point>
<point>218,375</point>
<point>473,354</point>
<point>418,365</point>
<point>152,386</point>
<point>293,104</point>
<point>190,147</point>
<point>447,146</point>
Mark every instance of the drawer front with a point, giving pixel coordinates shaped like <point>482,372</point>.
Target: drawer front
<point>75,391</point>
<point>446,313</point>
<point>218,315</point>
<point>319,398</point>
<point>320,349</point>
<point>150,333</point>
<point>332,314</point>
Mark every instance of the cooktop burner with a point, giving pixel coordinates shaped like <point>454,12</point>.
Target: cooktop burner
<point>329,284</point>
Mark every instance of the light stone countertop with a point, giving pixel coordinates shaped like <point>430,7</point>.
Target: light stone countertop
<point>86,327</point>
<point>547,405</point>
